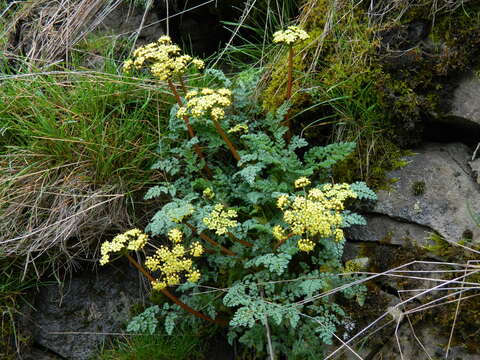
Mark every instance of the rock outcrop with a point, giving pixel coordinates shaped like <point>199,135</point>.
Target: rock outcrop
<point>435,192</point>
<point>74,320</point>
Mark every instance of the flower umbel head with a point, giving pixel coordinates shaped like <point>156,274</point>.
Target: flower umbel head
<point>132,239</point>
<point>318,214</point>
<point>208,193</point>
<point>305,245</point>
<point>173,263</point>
<point>163,58</point>
<point>221,219</point>
<point>302,182</point>
<point>239,128</point>
<point>289,36</point>
<point>207,102</point>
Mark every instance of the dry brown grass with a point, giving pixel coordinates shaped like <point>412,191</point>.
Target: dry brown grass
<point>55,208</point>
<point>44,31</point>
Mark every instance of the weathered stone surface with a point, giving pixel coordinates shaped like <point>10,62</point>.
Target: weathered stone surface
<point>386,230</point>
<point>433,346</point>
<point>430,342</point>
<point>126,20</point>
<point>475,166</point>
<point>466,100</point>
<point>73,321</point>
<point>435,191</point>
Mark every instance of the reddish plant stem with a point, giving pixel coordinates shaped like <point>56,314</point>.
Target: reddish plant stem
<point>173,297</point>
<point>182,84</point>
<point>243,242</point>
<point>227,141</point>
<point>191,133</point>
<point>277,245</point>
<point>211,241</point>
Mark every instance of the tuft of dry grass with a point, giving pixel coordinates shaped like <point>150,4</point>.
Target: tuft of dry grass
<point>45,31</point>
<point>58,207</point>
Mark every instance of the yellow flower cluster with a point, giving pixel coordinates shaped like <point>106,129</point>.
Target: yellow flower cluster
<point>289,36</point>
<point>305,245</point>
<point>132,239</point>
<point>301,182</point>
<point>279,233</point>
<point>316,214</point>
<point>220,219</point>
<point>162,58</point>
<point>173,263</point>
<point>283,201</point>
<point>207,101</point>
<point>208,193</point>
<point>239,128</point>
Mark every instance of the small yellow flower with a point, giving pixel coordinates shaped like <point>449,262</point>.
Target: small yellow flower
<point>316,215</point>
<point>290,35</point>
<point>305,245</point>
<point>207,102</point>
<point>278,233</point>
<point>208,193</point>
<point>239,128</point>
<point>162,58</point>
<point>283,202</point>
<point>220,219</point>
<point>159,285</point>
<point>194,276</point>
<point>175,235</point>
<point>196,249</point>
<point>302,182</point>
<point>133,239</point>
<point>173,264</point>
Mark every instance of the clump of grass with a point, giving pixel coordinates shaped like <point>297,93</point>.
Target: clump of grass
<point>13,289</point>
<point>44,31</point>
<point>187,344</point>
<point>75,148</point>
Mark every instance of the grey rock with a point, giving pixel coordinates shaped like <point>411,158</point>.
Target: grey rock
<point>428,344</point>
<point>466,100</point>
<point>386,230</point>
<point>126,20</point>
<point>435,191</point>
<point>74,321</point>
<point>475,166</point>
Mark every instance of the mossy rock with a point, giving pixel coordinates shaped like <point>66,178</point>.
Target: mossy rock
<point>374,83</point>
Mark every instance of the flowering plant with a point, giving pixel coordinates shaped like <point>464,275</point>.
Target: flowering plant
<point>268,222</point>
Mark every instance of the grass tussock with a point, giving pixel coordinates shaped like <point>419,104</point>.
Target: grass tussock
<point>75,148</point>
<point>45,31</point>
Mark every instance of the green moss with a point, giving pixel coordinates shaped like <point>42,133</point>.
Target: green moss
<point>345,94</point>
<point>418,188</point>
<point>386,158</point>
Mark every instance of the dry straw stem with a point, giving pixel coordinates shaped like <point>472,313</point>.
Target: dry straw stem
<point>49,29</point>
<point>443,290</point>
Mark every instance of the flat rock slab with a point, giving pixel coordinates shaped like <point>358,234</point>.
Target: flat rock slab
<point>73,321</point>
<point>435,192</point>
